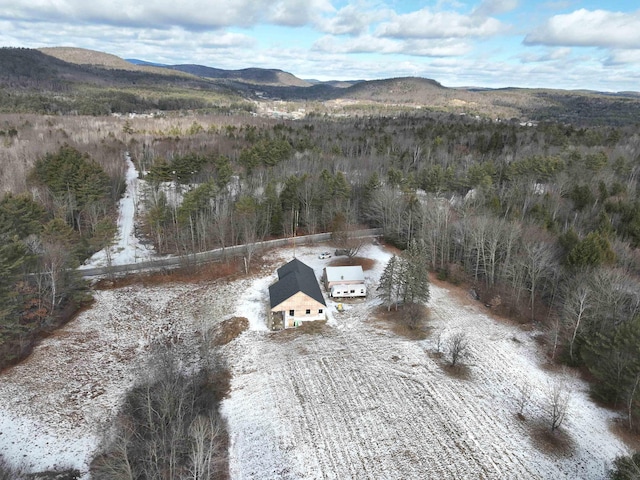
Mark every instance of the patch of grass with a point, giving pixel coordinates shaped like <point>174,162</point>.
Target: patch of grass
<point>9,472</point>
<point>557,443</point>
<point>620,427</point>
<point>459,370</point>
<point>398,322</point>
<point>71,474</point>
<point>313,328</point>
<point>365,263</point>
<point>229,330</point>
<point>435,355</point>
<point>316,327</point>
<point>187,274</point>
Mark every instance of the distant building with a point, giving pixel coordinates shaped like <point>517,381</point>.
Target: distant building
<point>344,282</point>
<point>296,296</point>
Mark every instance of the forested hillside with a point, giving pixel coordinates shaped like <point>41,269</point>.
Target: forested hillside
<point>32,81</point>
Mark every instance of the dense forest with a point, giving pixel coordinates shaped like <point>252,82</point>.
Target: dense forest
<point>541,220</point>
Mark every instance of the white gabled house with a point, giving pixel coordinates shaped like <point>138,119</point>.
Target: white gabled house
<point>344,282</point>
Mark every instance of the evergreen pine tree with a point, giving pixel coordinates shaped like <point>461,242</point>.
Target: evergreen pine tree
<point>387,289</point>
<point>415,276</point>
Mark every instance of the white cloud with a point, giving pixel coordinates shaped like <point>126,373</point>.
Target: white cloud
<point>224,40</point>
<point>372,44</point>
<point>443,24</point>
<point>353,19</point>
<point>362,44</point>
<point>586,28</point>
<point>189,14</point>
<point>449,47</point>
<point>550,55</point>
<point>623,57</point>
<point>495,7</point>
<point>173,45</point>
<point>295,12</point>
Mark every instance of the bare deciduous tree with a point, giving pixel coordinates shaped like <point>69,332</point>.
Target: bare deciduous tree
<point>413,315</point>
<point>439,342</point>
<point>169,427</point>
<point>524,391</point>
<point>538,259</point>
<point>575,308</point>
<point>631,399</point>
<point>626,468</point>
<point>207,448</point>
<point>458,347</point>
<point>557,406</point>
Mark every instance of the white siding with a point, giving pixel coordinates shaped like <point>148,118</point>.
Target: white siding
<point>345,291</point>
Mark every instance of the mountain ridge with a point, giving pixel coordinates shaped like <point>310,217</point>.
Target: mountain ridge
<point>66,74</point>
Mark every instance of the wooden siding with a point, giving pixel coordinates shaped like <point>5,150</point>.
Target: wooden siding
<point>300,303</point>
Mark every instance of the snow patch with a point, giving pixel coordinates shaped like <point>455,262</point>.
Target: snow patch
<point>127,248</point>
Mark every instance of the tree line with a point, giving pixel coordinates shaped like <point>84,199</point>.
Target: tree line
<point>45,235</point>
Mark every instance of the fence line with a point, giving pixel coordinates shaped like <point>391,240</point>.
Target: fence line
<point>218,253</point>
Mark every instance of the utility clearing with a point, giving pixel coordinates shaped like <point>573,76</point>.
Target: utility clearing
<point>348,399</point>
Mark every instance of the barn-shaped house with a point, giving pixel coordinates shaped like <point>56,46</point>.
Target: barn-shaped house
<point>296,296</point>
<point>344,282</point>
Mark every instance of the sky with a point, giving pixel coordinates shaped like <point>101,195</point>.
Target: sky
<point>567,44</point>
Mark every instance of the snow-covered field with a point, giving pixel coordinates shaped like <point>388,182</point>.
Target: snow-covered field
<point>357,401</point>
<point>353,401</point>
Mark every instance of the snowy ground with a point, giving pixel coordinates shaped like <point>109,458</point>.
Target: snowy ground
<point>360,402</point>
<point>354,401</point>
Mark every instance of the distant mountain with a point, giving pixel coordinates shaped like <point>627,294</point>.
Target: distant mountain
<point>81,56</point>
<point>258,76</point>
<point>333,83</point>
<point>143,63</point>
<point>72,80</point>
<point>254,76</point>
<point>403,90</point>
<point>93,83</point>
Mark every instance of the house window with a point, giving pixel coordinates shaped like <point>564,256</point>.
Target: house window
<point>320,311</point>
<point>308,312</point>
<point>353,291</point>
<point>291,312</point>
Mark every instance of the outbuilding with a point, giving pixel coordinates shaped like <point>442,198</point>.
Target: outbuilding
<point>344,282</point>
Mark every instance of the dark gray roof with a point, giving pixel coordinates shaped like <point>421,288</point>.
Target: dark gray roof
<point>295,277</point>
<point>295,265</point>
